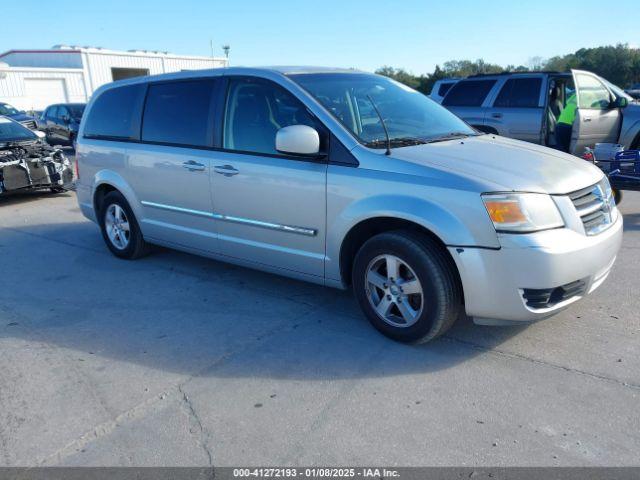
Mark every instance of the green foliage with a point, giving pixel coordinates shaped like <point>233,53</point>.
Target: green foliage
<point>619,64</point>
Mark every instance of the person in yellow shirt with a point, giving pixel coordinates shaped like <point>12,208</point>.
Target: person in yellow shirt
<point>565,124</point>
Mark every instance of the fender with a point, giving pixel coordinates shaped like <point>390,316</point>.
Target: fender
<point>447,226</point>
<point>630,131</point>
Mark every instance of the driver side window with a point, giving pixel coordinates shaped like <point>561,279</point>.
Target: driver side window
<point>52,113</point>
<point>592,94</point>
<point>255,111</point>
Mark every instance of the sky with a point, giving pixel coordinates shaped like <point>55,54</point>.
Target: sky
<point>412,34</point>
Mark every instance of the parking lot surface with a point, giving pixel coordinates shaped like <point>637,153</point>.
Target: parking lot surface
<point>180,360</point>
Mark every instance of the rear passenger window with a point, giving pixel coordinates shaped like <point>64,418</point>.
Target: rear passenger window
<point>468,93</point>
<point>116,114</point>
<point>519,93</point>
<point>179,113</point>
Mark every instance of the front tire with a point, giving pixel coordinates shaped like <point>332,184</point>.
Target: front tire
<point>617,195</point>
<point>120,229</point>
<point>407,286</point>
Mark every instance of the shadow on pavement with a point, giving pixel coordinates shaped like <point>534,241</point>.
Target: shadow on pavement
<point>27,196</point>
<point>182,313</point>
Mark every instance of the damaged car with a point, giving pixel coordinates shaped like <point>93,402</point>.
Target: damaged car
<point>27,162</point>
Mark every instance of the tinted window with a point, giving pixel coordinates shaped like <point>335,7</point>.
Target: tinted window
<point>468,93</point>
<point>444,88</point>
<point>116,113</point>
<point>6,109</point>
<point>75,111</point>
<point>519,93</point>
<point>51,112</point>
<point>255,111</point>
<point>179,113</point>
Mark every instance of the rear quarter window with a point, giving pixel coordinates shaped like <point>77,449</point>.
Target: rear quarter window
<point>116,114</point>
<point>444,88</point>
<point>470,93</point>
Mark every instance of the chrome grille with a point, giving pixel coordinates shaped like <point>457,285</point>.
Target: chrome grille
<point>29,124</point>
<point>594,205</point>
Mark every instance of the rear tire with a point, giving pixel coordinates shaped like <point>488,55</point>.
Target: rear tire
<point>120,229</point>
<point>420,311</point>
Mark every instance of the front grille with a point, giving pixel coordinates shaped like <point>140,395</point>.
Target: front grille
<point>548,297</point>
<point>593,205</point>
<point>30,124</point>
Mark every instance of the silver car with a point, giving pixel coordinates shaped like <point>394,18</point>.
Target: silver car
<point>346,179</point>
<point>527,106</point>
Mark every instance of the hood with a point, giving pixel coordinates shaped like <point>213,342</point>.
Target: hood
<point>20,117</point>
<point>511,164</point>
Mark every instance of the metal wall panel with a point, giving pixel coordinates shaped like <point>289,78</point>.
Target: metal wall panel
<point>12,87</point>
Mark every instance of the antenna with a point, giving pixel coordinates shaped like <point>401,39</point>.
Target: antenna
<point>386,132</point>
<point>211,45</point>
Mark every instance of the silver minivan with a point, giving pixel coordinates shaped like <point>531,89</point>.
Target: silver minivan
<point>346,179</point>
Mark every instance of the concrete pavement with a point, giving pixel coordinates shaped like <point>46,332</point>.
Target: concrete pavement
<point>179,360</point>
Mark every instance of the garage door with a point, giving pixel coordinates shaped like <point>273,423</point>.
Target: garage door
<point>42,92</point>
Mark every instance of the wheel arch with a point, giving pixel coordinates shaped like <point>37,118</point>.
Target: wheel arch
<point>366,229</point>
<point>108,181</point>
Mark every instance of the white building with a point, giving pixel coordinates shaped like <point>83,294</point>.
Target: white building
<point>33,79</point>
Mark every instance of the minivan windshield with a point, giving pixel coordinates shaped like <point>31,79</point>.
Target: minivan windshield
<point>410,117</point>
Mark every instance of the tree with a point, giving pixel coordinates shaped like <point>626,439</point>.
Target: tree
<point>619,64</point>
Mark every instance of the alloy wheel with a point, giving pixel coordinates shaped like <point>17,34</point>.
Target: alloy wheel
<point>394,291</point>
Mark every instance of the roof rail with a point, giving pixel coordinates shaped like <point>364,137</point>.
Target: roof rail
<point>512,73</point>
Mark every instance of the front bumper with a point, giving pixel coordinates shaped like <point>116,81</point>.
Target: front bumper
<point>494,280</point>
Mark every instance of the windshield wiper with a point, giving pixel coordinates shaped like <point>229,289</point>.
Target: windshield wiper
<point>396,142</point>
<point>451,136</point>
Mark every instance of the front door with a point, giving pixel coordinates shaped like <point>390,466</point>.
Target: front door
<point>170,169</point>
<point>596,120</point>
<point>270,208</point>
<point>52,118</point>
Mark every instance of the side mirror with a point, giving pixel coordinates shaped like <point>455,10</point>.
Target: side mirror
<point>298,140</point>
<point>40,134</point>
<point>620,102</point>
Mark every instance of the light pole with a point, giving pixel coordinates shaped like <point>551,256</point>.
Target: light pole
<point>226,49</point>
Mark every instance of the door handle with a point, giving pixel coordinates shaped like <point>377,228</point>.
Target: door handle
<point>226,170</point>
<point>193,166</point>
<point>587,120</point>
<point>496,115</point>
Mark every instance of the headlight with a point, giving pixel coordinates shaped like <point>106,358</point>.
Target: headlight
<point>522,212</point>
